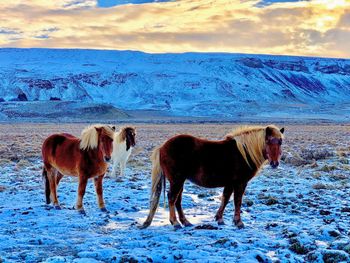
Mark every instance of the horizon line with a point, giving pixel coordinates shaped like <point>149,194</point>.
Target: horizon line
<point>175,53</point>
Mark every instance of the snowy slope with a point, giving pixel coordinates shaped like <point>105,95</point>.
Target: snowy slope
<point>190,84</point>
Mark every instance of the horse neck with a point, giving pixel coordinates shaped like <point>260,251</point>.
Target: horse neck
<point>251,163</point>
<point>252,153</point>
<point>121,143</point>
<point>94,154</point>
<point>118,139</point>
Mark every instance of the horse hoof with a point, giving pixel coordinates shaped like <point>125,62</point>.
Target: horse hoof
<point>239,225</point>
<point>104,210</point>
<point>188,224</point>
<point>144,225</point>
<point>57,207</point>
<point>221,223</point>
<point>177,227</point>
<point>82,212</point>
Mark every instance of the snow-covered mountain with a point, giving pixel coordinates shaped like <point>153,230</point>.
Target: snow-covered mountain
<point>190,84</point>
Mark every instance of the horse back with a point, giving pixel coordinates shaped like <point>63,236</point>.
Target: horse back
<point>59,150</point>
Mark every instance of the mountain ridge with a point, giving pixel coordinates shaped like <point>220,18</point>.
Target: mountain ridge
<point>184,84</point>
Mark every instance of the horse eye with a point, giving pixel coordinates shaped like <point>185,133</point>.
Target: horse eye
<point>280,142</point>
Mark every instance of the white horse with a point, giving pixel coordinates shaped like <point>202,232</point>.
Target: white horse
<point>123,143</point>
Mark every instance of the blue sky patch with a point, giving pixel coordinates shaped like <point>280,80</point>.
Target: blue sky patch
<point>111,3</point>
<point>263,3</point>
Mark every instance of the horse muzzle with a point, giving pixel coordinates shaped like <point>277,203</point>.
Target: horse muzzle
<point>274,164</point>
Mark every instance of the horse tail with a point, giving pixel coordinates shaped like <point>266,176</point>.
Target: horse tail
<point>47,186</point>
<point>158,179</point>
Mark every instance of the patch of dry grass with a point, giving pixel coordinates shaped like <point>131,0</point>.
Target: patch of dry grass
<point>22,163</point>
<point>328,168</point>
<point>319,186</point>
<point>302,144</point>
<point>4,161</point>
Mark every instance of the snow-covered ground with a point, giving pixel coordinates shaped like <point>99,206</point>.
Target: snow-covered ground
<point>295,213</point>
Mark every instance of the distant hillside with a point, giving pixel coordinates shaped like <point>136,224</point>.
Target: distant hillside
<point>191,84</point>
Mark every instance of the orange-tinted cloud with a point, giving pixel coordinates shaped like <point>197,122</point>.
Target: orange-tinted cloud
<point>311,28</point>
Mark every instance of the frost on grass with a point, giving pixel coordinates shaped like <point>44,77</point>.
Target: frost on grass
<point>296,213</point>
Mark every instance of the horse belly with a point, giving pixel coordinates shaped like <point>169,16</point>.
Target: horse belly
<point>66,162</point>
<point>209,180</point>
<point>65,170</point>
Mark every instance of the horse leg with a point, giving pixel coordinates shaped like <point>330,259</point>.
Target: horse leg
<point>238,194</point>
<point>59,176</point>
<point>52,174</point>
<point>182,217</point>
<point>173,194</point>
<point>99,193</point>
<point>122,167</point>
<point>114,169</point>
<point>81,191</point>
<point>224,200</point>
<point>47,183</point>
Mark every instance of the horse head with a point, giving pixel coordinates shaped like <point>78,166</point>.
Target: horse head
<point>105,142</point>
<point>130,137</point>
<point>273,145</point>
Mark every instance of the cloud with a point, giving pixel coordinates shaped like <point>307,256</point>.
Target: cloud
<point>42,36</point>
<point>344,21</point>
<point>312,28</point>
<point>77,4</point>
<point>9,31</point>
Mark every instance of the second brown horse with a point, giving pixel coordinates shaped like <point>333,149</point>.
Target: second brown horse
<point>85,157</point>
<point>229,163</point>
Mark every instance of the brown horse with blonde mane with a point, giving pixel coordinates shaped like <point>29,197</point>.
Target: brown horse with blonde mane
<point>85,157</point>
<point>229,163</point>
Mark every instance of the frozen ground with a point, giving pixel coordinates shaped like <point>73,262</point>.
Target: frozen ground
<point>299,212</point>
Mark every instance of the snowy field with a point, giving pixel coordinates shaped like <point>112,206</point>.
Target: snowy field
<point>299,212</point>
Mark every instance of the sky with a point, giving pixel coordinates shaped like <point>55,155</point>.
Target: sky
<point>282,27</point>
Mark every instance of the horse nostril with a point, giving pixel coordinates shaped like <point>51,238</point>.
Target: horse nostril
<point>271,163</point>
<point>107,159</point>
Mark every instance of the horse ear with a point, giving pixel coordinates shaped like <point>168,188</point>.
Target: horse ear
<point>282,130</point>
<point>268,131</point>
<point>98,129</point>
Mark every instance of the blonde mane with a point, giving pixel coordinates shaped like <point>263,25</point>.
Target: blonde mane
<point>89,136</point>
<point>251,140</point>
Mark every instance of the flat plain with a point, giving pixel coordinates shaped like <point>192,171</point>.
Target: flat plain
<point>298,212</point>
